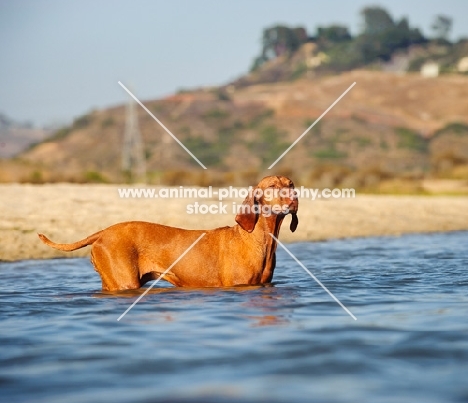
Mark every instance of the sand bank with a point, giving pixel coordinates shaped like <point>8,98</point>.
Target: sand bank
<point>67,213</point>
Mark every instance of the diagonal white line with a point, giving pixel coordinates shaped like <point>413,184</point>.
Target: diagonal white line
<point>311,275</point>
<point>162,125</point>
<point>312,125</point>
<point>161,276</point>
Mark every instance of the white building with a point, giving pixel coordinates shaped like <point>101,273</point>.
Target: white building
<point>462,65</point>
<point>430,69</point>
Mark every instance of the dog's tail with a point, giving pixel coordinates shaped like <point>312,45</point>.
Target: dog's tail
<point>67,247</point>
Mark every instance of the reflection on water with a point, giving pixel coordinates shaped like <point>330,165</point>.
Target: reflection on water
<point>60,339</point>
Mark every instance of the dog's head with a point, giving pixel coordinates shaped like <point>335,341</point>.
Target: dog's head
<point>273,196</point>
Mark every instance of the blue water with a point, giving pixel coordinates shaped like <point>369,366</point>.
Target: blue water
<point>60,340</point>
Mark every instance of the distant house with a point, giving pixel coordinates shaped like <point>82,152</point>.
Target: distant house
<point>462,65</point>
<point>430,69</point>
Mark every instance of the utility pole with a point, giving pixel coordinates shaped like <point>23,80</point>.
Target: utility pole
<point>133,158</point>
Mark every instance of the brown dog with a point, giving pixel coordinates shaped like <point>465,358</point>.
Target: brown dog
<point>129,254</point>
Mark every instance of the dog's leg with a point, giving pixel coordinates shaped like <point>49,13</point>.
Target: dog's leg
<point>117,272</point>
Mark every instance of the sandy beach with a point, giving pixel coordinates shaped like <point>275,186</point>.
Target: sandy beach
<point>68,212</point>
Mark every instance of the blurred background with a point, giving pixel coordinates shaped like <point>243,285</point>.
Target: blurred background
<point>237,84</point>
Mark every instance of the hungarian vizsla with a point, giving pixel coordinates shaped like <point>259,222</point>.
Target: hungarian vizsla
<point>129,254</point>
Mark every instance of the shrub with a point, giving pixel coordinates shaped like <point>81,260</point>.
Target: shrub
<point>180,177</point>
<point>82,121</point>
<point>60,134</point>
<point>108,122</point>
<point>222,95</point>
<point>216,113</point>
<point>299,71</point>
<point>363,142</point>
<point>411,140</point>
<point>269,144</point>
<point>330,153</point>
<point>94,177</point>
<point>37,177</point>
<point>456,127</point>
<point>206,152</point>
<point>260,118</point>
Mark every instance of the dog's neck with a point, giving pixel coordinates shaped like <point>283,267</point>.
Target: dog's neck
<point>268,225</point>
<point>265,227</point>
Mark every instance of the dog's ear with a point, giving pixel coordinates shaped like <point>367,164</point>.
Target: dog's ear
<point>246,216</point>
<point>294,222</point>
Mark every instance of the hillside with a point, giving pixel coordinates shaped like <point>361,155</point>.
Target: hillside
<point>387,126</point>
<point>16,137</point>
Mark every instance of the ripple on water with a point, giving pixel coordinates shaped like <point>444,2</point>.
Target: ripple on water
<point>61,340</point>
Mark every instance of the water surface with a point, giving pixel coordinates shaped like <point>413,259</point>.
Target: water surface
<point>60,339</point>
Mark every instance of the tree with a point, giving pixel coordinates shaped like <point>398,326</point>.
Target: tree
<point>333,34</point>
<point>258,61</point>
<point>280,40</point>
<point>376,20</point>
<point>442,26</point>
<point>382,36</point>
